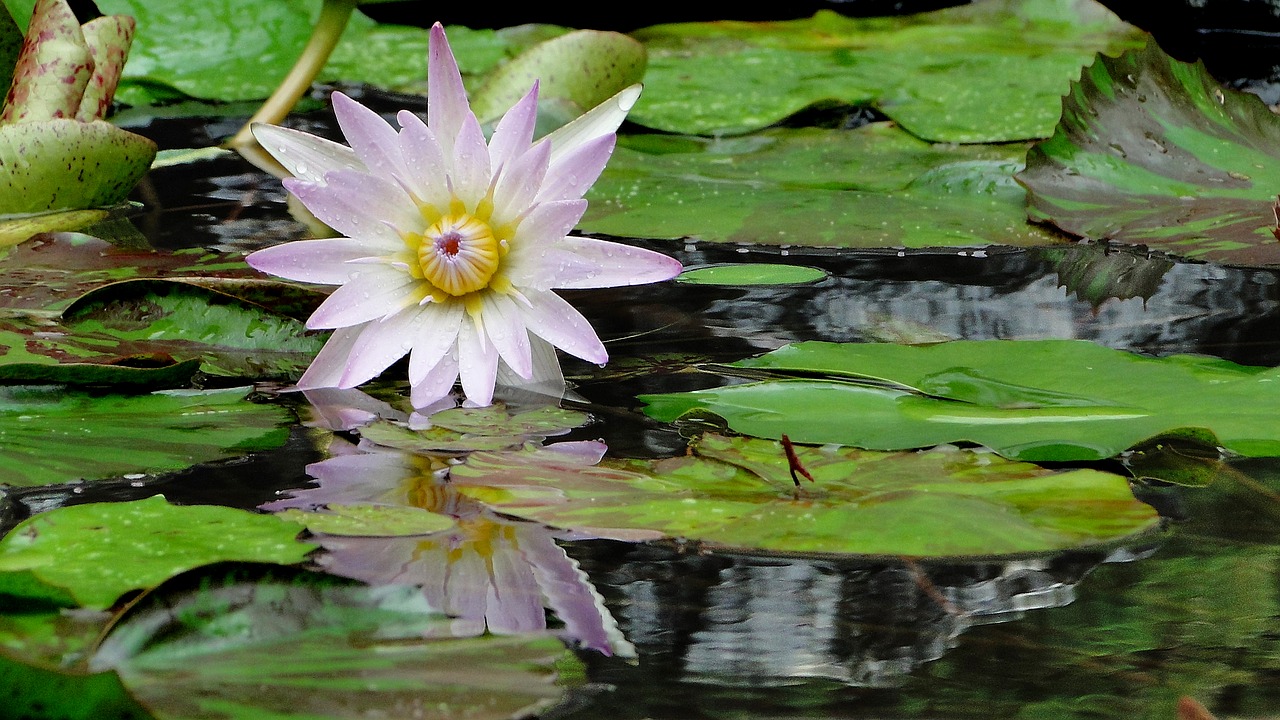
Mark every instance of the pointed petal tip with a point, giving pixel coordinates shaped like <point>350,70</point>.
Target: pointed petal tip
<point>628,96</point>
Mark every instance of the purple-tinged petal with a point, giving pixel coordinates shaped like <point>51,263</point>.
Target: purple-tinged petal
<point>383,342</point>
<point>447,105</point>
<point>357,479</point>
<point>374,141</point>
<point>548,223</point>
<point>477,364</point>
<point>471,173</point>
<point>515,600</point>
<point>424,161</point>
<point>348,409</point>
<point>378,291</point>
<point>304,155</point>
<point>519,184</point>
<point>506,332</point>
<point>514,132</point>
<point>546,378</point>
<point>364,207</point>
<point>435,338</point>
<point>588,452</point>
<point>327,367</point>
<point>616,264</point>
<point>557,322</point>
<point>574,600</point>
<point>326,261</point>
<point>597,122</point>
<point>436,383</point>
<point>572,174</point>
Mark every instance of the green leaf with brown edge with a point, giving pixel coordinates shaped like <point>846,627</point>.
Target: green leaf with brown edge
<point>48,274</point>
<point>52,435</point>
<point>990,71</point>
<point>67,164</point>
<point>575,72</point>
<point>1152,151</point>
<point>871,187</point>
<point>1033,400</point>
<point>100,551</point>
<point>738,493</point>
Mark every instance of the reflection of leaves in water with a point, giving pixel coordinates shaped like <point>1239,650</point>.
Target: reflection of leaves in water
<point>1094,273</point>
<point>309,646</point>
<point>486,571</point>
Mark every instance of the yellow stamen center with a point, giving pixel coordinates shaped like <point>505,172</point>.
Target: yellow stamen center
<point>459,254</point>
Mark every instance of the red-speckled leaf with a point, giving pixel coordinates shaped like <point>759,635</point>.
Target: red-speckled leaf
<point>53,68</point>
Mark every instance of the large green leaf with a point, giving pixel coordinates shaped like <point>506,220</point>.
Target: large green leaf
<point>98,552</point>
<point>990,72</point>
<point>875,186</point>
<point>1043,400</point>
<point>1154,151</point>
<point>315,649</point>
<point>38,161</point>
<point>738,493</point>
<point>51,435</point>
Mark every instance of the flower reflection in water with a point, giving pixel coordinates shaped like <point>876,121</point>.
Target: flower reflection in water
<point>486,571</point>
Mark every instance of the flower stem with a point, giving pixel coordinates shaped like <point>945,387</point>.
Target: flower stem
<point>334,15</point>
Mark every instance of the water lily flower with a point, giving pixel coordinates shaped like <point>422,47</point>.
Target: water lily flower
<point>453,245</point>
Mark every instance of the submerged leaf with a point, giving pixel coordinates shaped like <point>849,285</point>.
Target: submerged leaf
<point>738,493</point>
<point>750,274</point>
<point>1154,151</point>
<point>1041,400</point>
<point>99,551</point>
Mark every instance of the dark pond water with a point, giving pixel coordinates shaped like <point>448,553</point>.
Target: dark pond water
<point>1116,633</point>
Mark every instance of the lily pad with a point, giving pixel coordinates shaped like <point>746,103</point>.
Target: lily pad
<point>52,435</point>
<point>1153,151</point>
<point>1041,400</point>
<point>875,186</point>
<point>466,429</point>
<point>737,493</point>
<point>369,520</point>
<point>352,651</point>
<point>992,71</point>
<point>750,274</point>
<point>38,158</point>
<point>99,551</point>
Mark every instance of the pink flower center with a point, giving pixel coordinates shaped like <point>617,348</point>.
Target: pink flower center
<point>460,255</point>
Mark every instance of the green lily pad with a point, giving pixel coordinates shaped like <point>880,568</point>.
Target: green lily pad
<point>1155,152</point>
<point>466,429</point>
<point>738,493</point>
<point>750,274</point>
<point>349,651</point>
<point>1042,400</point>
<point>99,551</point>
<point>52,435</point>
<point>37,158</point>
<point>875,186</point>
<point>992,71</point>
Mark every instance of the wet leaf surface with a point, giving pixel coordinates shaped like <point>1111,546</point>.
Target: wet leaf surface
<point>1152,151</point>
<point>1047,400</point>
<point>98,552</point>
<point>52,435</point>
<point>989,72</point>
<point>752,274</point>
<point>874,186</point>
<point>738,493</point>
